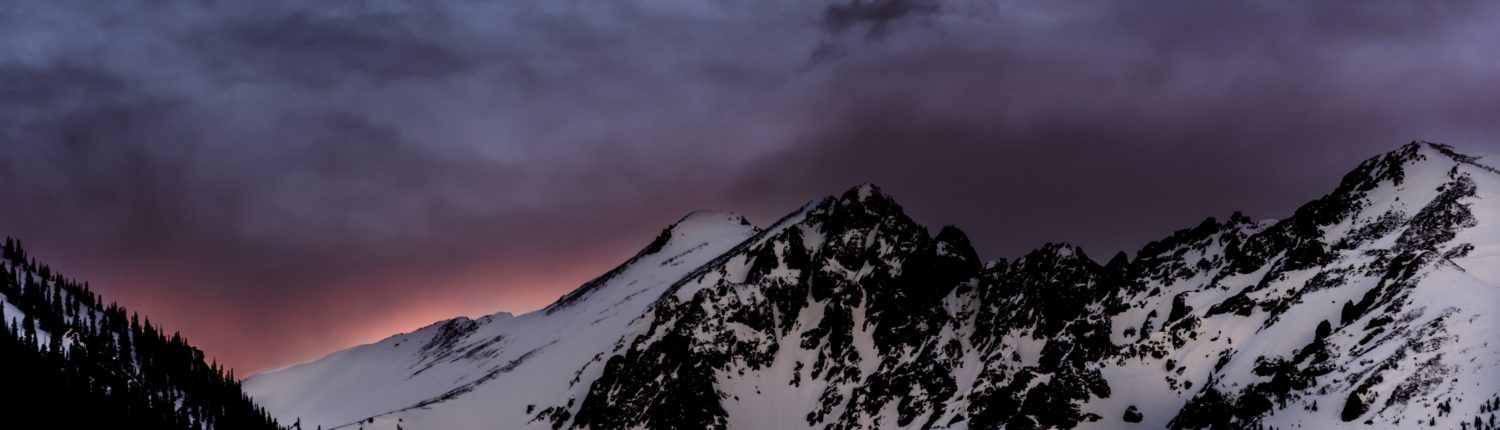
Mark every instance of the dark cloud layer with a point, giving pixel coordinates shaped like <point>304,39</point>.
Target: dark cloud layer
<point>281,179</point>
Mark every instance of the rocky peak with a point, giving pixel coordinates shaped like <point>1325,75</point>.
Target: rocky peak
<point>1188,237</point>
<point>1054,254</point>
<point>688,234</point>
<point>952,242</point>
<point>864,192</point>
<point>1396,166</point>
<point>868,199</point>
<point>1390,186</point>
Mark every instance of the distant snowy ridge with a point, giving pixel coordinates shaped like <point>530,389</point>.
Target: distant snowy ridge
<point>1372,307</point>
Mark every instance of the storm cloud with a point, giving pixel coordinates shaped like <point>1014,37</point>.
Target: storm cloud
<point>282,179</point>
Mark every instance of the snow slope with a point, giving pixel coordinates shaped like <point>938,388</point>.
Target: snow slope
<point>497,359</point>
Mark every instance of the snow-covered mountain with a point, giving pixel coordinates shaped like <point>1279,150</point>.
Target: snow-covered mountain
<point>1372,306</point>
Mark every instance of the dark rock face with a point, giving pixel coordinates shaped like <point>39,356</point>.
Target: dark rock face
<point>896,297</point>
<point>1132,415</point>
<point>854,316</point>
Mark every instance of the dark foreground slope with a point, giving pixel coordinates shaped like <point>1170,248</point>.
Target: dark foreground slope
<point>72,362</point>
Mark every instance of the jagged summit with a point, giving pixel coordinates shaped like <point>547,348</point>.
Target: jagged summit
<point>870,199</point>
<point>1059,250</point>
<point>951,241</point>
<point>866,191</point>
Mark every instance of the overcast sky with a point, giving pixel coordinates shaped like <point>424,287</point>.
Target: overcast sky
<point>279,180</point>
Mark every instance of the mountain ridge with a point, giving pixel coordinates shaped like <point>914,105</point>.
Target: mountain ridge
<point>849,311</point>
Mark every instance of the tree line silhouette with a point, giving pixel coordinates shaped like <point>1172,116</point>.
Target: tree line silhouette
<point>67,360</point>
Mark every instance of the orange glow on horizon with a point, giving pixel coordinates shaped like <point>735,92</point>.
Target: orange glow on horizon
<point>320,327</point>
<point>467,298</point>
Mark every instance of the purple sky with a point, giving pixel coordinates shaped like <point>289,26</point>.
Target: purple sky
<point>279,180</point>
